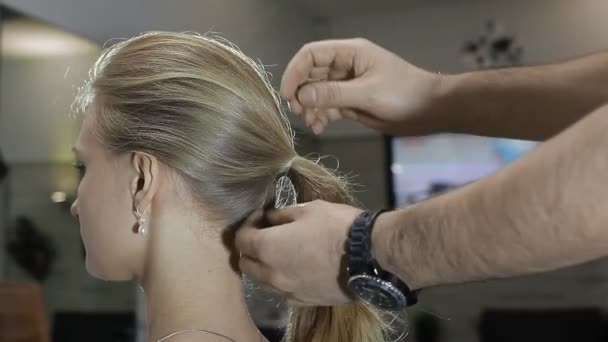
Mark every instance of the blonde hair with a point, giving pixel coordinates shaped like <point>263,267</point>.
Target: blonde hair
<point>206,110</point>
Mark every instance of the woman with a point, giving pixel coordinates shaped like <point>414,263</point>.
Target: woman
<point>183,138</point>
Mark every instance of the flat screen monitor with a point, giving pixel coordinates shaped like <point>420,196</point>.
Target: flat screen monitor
<point>420,167</point>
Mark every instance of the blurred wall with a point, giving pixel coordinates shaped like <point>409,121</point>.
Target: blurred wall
<point>432,36</point>
<point>264,29</point>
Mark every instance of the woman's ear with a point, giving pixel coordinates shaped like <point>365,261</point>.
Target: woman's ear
<point>146,180</point>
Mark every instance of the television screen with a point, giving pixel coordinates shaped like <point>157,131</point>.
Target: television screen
<point>423,166</point>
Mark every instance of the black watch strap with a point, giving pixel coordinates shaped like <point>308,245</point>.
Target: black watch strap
<point>360,259</point>
<point>359,247</point>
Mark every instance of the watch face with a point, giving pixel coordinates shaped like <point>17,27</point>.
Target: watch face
<point>377,292</point>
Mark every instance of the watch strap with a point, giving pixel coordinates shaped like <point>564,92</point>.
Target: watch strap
<point>358,247</point>
<point>361,260</point>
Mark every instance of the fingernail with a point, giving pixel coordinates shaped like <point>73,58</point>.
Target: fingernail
<point>317,128</point>
<point>308,96</point>
<point>258,214</point>
<point>254,216</point>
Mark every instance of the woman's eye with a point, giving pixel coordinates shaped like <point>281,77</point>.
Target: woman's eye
<point>81,168</point>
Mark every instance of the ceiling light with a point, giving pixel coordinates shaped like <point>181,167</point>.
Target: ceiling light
<point>59,197</point>
<point>29,38</point>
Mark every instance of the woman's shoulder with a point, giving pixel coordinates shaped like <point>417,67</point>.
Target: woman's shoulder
<point>197,338</point>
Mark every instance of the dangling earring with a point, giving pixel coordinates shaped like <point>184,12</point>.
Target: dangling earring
<point>141,221</point>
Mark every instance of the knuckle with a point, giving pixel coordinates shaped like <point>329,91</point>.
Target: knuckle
<point>334,93</point>
<point>238,244</point>
<point>282,283</point>
<point>258,246</point>
<point>244,266</point>
<point>361,41</point>
<point>265,278</point>
<point>308,46</point>
<point>314,204</point>
<point>272,279</point>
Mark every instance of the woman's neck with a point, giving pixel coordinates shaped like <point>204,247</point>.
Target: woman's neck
<point>189,284</point>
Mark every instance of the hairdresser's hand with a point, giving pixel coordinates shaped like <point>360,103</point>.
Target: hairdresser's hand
<point>358,80</point>
<point>300,256</point>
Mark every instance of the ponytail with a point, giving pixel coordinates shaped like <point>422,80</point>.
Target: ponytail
<point>351,322</point>
<point>313,181</point>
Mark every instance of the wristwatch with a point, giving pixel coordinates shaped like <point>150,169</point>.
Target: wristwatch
<point>367,280</point>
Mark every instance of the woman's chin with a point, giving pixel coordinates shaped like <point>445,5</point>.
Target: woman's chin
<point>92,270</point>
<point>101,273</point>
<point>95,271</point>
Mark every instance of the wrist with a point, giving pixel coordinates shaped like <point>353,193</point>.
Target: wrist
<point>367,279</point>
<point>436,104</point>
<point>380,237</point>
<point>394,251</point>
<point>446,108</point>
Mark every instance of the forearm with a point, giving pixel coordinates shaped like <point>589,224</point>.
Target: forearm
<point>532,103</point>
<point>547,210</point>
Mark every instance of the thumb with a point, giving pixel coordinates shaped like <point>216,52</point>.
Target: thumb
<point>248,241</point>
<point>332,94</point>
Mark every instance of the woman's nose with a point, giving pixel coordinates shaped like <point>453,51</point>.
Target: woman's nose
<point>74,208</point>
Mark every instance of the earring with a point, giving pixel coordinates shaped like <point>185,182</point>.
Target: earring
<point>141,221</point>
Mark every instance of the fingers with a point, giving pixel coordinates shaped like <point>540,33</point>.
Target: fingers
<point>249,238</point>
<point>255,269</point>
<point>295,106</point>
<point>337,54</point>
<point>322,121</point>
<point>322,102</point>
<point>350,114</point>
<point>284,216</point>
<point>332,94</point>
<point>333,114</point>
<point>310,116</point>
<point>263,277</point>
<point>327,63</point>
<point>318,127</point>
<point>254,218</point>
<point>248,241</point>
<point>319,73</point>
<point>318,119</point>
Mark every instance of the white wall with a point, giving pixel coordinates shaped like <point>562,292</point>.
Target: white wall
<point>266,29</point>
<point>432,37</point>
<point>363,160</point>
<point>35,121</point>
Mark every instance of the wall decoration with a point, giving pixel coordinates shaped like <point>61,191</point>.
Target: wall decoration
<point>493,48</point>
